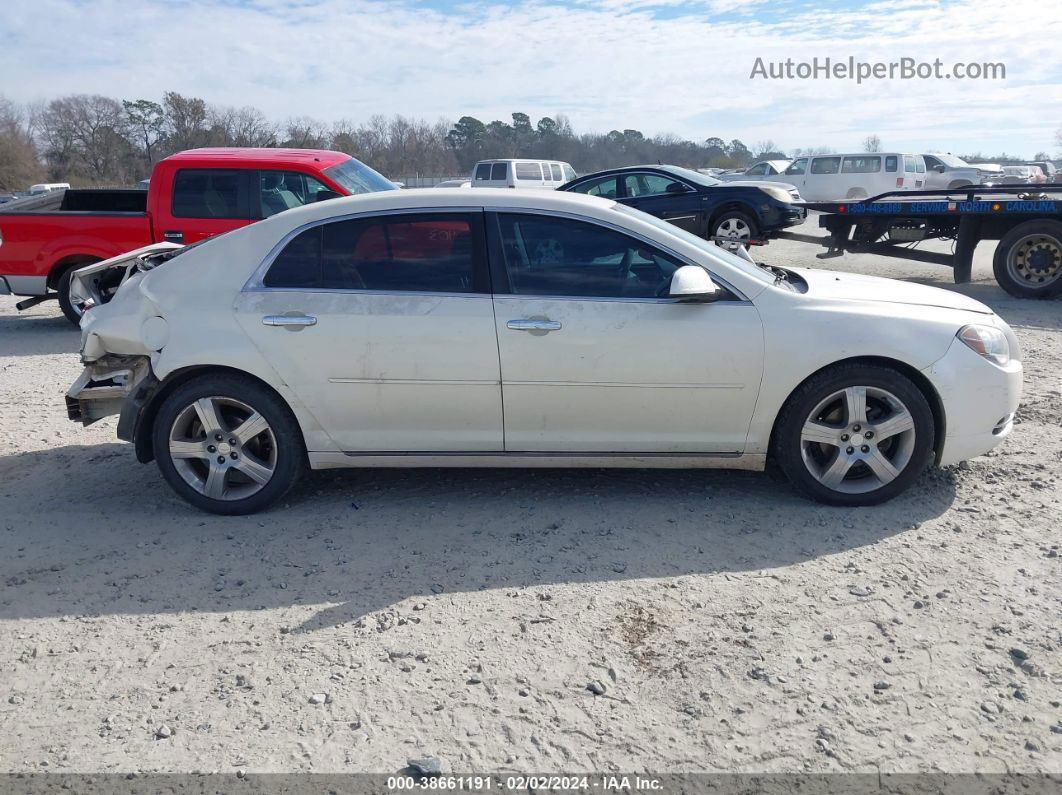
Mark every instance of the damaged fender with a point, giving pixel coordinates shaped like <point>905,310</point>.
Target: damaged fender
<point>104,385</point>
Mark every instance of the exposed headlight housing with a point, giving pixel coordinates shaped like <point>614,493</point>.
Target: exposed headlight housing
<point>987,341</point>
<point>779,194</point>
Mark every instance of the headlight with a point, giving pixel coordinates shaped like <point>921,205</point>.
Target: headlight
<point>778,194</point>
<point>987,341</point>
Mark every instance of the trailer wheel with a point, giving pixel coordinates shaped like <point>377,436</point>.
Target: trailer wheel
<point>1028,260</point>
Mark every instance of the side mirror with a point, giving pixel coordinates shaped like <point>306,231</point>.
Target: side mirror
<point>692,283</point>
<point>325,195</point>
<point>939,169</point>
<point>677,187</point>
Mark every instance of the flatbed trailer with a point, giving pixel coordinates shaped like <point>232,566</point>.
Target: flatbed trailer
<point>1026,220</point>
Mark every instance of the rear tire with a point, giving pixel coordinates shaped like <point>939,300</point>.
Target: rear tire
<point>227,444</point>
<point>854,434</point>
<point>1028,260</point>
<point>62,287</point>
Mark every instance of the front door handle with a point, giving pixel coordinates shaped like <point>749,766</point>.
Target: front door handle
<point>294,322</point>
<point>533,324</point>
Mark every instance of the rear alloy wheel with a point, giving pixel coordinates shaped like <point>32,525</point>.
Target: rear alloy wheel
<point>227,454</point>
<point>1028,260</point>
<point>855,435</point>
<point>735,226</point>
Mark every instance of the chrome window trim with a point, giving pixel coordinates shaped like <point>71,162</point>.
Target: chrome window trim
<point>255,282</point>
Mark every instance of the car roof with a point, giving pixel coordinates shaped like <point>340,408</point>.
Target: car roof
<point>430,199</point>
<point>519,160</point>
<point>318,158</point>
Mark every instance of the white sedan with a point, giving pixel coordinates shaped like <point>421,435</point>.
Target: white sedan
<point>528,328</point>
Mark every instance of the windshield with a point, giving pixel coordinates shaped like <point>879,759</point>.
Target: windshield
<point>691,175</point>
<point>707,247</point>
<point>355,177</point>
<point>952,160</point>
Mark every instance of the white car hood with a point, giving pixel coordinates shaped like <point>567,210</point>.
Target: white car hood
<point>855,287</point>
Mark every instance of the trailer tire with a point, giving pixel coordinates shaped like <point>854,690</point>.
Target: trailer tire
<point>1028,260</point>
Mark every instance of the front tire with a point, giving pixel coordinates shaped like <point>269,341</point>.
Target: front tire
<point>736,226</point>
<point>854,434</point>
<point>227,444</point>
<point>1028,260</point>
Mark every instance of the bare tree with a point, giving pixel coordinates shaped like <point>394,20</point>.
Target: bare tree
<point>85,136</point>
<point>246,126</point>
<point>872,144</point>
<point>19,163</point>
<point>304,132</point>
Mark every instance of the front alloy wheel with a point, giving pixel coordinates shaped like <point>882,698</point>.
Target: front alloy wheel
<point>854,434</point>
<point>857,439</point>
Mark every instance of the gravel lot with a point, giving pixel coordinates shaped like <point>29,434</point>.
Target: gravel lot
<point>378,616</point>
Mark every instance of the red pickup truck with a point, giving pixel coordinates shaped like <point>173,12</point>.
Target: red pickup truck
<point>191,196</point>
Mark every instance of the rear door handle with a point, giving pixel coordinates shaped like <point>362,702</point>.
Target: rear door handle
<point>529,324</point>
<point>294,322</point>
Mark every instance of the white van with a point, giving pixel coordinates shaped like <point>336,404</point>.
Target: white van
<point>856,176</point>
<point>548,174</point>
<point>48,187</point>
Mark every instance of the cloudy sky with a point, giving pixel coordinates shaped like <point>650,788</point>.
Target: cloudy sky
<point>661,66</point>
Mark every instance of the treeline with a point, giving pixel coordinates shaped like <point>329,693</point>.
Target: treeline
<point>96,140</point>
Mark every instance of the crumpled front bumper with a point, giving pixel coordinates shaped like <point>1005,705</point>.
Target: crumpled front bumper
<point>104,385</point>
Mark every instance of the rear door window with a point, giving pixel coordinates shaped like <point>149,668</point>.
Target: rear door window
<point>603,186</point>
<point>438,253</point>
<point>208,193</point>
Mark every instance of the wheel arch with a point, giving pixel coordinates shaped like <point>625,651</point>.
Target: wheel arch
<point>916,377</point>
<point>734,205</point>
<point>145,423</point>
<point>65,263</point>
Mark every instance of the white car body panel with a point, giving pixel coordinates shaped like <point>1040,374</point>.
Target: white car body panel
<point>568,391</point>
<point>423,374</point>
<point>406,379</point>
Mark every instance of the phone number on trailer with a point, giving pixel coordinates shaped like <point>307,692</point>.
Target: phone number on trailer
<point>482,783</point>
